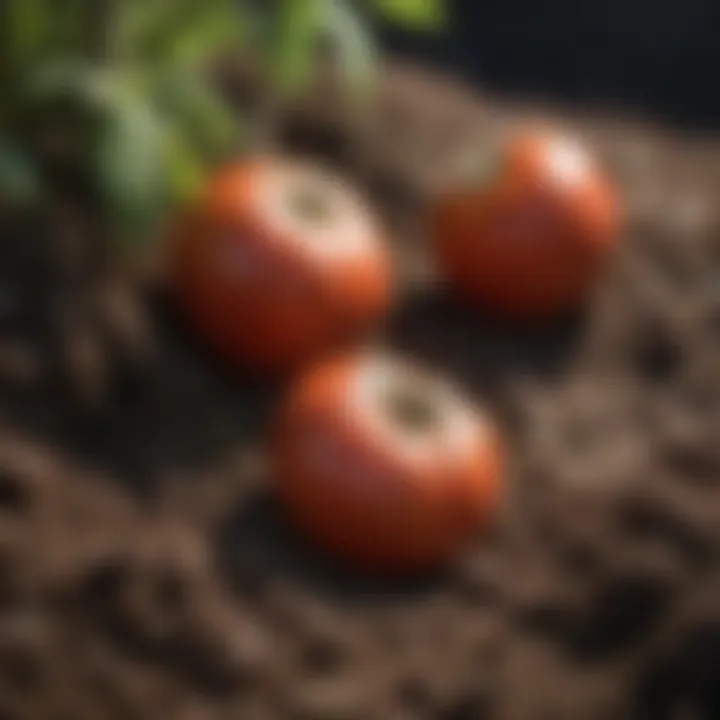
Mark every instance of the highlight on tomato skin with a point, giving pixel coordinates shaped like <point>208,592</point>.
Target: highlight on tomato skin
<point>278,262</point>
<point>384,466</point>
<point>529,235</point>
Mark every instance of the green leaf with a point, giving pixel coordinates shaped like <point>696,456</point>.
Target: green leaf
<point>140,22</point>
<point>25,26</point>
<point>131,167</point>
<point>19,182</point>
<point>182,33</point>
<point>71,78</point>
<point>293,46</point>
<point>185,167</point>
<point>357,53</point>
<point>149,27</point>
<point>217,29</point>
<point>69,28</point>
<point>204,117</point>
<point>420,15</point>
<point>299,26</point>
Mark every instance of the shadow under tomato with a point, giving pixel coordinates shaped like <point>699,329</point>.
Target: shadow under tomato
<point>195,406</point>
<point>481,351</point>
<point>184,412</point>
<point>685,682</point>
<point>257,545</point>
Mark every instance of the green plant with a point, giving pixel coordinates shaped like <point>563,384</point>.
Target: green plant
<point>120,87</point>
<point>415,14</point>
<point>296,24</point>
<point>119,84</point>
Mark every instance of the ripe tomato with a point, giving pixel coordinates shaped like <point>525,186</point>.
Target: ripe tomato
<point>278,261</point>
<point>385,466</point>
<point>529,232</point>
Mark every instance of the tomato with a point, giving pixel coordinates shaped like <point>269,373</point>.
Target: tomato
<point>531,227</point>
<point>385,466</point>
<point>279,261</point>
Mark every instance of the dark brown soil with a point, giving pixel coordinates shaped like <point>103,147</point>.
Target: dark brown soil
<point>146,572</point>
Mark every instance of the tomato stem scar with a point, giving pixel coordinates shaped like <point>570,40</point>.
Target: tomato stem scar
<point>411,407</point>
<point>309,203</point>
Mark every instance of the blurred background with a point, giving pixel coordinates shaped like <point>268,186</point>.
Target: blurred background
<point>657,57</point>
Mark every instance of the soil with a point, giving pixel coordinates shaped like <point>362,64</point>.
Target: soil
<point>146,570</point>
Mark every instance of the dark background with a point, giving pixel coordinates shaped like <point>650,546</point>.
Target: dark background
<point>656,56</point>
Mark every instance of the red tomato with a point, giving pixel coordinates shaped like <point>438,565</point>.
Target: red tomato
<point>279,261</point>
<point>528,235</point>
<point>385,466</point>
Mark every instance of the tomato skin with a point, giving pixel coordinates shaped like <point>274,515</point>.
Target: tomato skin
<point>351,489</point>
<point>254,285</point>
<point>533,241</point>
